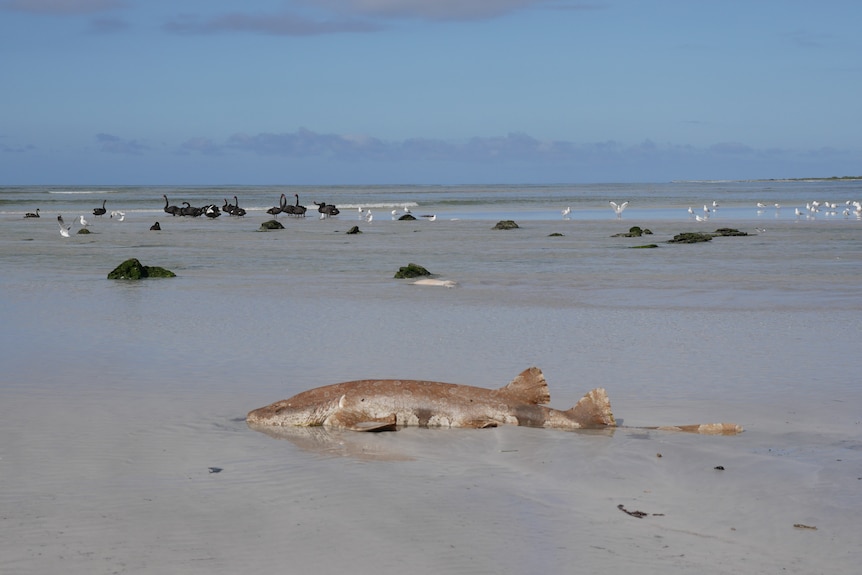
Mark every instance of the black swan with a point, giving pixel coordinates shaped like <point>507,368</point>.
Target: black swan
<point>156,226</point>
<point>297,209</point>
<point>275,210</point>
<point>173,210</point>
<point>100,211</point>
<point>32,215</point>
<point>327,210</point>
<point>237,211</point>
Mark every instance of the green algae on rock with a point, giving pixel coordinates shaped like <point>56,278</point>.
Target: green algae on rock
<point>271,225</point>
<point>132,269</point>
<point>690,238</point>
<point>411,271</point>
<point>506,225</point>
<point>634,232</point>
<point>353,230</point>
<point>729,232</point>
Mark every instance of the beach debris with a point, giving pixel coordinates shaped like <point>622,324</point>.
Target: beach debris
<point>215,469</point>
<point>411,271</point>
<point>435,282</point>
<point>271,225</point>
<point>638,514</point>
<point>132,269</point>
<point>804,526</point>
<point>506,225</point>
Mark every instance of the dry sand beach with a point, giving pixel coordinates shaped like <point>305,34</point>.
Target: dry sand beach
<point>124,447</point>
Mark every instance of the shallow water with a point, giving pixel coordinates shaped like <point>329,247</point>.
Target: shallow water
<point>117,396</point>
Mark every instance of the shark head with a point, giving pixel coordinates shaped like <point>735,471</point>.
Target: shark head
<point>294,412</point>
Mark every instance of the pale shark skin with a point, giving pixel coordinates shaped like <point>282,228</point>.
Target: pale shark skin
<point>378,405</point>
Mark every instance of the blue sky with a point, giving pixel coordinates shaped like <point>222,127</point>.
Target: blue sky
<point>427,91</point>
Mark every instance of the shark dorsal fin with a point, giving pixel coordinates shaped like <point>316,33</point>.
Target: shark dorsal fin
<point>529,387</point>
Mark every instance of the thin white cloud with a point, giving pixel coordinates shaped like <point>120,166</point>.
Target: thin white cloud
<point>279,24</point>
<point>116,145</point>
<point>429,9</point>
<point>61,7</point>
<point>107,25</point>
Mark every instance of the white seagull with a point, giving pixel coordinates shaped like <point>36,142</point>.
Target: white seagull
<point>64,229</point>
<point>618,209</point>
<point>369,216</point>
<point>84,223</point>
<point>120,215</point>
<point>567,211</point>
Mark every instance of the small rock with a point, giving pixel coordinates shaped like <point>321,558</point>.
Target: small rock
<point>506,225</point>
<point>132,269</point>
<point>271,225</point>
<point>411,271</point>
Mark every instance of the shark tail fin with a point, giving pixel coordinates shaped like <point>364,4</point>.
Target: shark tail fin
<point>529,387</point>
<point>593,410</point>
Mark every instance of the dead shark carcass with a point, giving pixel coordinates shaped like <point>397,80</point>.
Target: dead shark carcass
<point>386,404</point>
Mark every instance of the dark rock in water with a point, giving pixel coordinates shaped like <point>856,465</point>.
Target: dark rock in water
<point>83,231</point>
<point>406,218</point>
<point>411,271</point>
<point>506,225</point>
<point>729,232</point>
<point>646,246</point>
<point>271,225</point>
<point>690,238</point>
<point>354,230</point>
<point>555,235</point>
<point>156,227</point>
<point>634,232</point>
<point>695,237</point>
<point>132,269</point>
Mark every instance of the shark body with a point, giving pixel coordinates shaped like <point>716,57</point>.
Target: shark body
<point>386,404</point>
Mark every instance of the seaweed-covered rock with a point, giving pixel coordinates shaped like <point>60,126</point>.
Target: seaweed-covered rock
<point>506,225</point>
<point>354,230</point>
<point>634,232</point>
<point>411,271</point>
<point>729,232</point>
<point>271,225</point>
<point>645,246</point>
<point>84,231</point>
<point>690,238</point>
<point>132,269</point>
<point>406,218</point>
<point>555,235</point>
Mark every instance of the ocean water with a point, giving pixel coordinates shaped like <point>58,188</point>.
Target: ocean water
<point>111,388</point>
